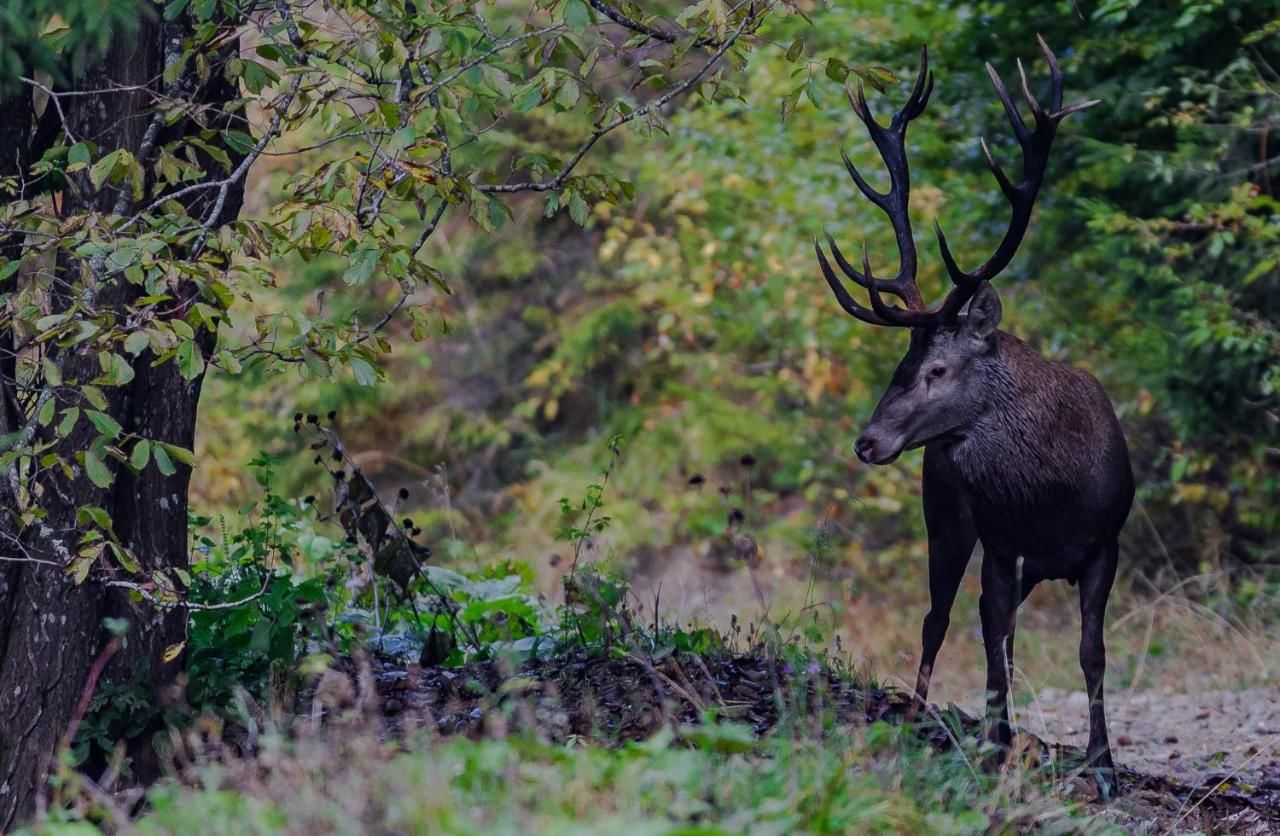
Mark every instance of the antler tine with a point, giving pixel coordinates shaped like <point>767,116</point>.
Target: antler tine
<point>890,141</point>
<point>910,317</point>
<point>877,303</point>
<point>871,194</point>
<point>1055,75</point>
<point>858,101</point>
<point>863,279</point>
<point>842,294</point>
<point>1036,110</point>
<point>1010,109</point>
<point>1001,177</point>
<point>921,92</point>
<point>1035,146</point>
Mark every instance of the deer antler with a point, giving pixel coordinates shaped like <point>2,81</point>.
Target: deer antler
<point>891,143</point>
<point>1035,144</point>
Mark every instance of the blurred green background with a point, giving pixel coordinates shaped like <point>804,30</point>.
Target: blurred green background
<point>693,322</point>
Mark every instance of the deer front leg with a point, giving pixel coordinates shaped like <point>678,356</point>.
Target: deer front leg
<point>949,555</point>
<point>1095,588</point>
<point>951,540</point>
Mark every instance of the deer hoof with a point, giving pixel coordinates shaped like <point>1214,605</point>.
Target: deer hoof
<point>1106,783</point>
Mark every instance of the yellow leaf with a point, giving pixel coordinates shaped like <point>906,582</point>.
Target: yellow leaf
<point>171,652</point>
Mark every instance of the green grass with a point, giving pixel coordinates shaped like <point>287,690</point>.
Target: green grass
<point>877,779</point>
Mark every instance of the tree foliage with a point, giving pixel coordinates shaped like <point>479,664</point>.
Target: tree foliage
<point>130,271</point>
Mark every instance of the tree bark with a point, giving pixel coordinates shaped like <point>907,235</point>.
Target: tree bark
<point>51,629</point>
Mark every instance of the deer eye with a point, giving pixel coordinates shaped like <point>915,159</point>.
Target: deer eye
<point>937,372</point>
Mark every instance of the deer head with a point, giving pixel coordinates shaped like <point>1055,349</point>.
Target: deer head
<point>944,380</point>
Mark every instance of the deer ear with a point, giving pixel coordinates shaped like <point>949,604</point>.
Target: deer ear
<point>984,312</point>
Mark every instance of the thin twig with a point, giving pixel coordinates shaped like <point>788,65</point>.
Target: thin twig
<point>600,131</point>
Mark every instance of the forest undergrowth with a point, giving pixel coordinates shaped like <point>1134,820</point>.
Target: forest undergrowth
<point>340,681</point>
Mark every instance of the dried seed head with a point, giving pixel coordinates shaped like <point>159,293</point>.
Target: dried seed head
<point>403,493</point>
<point>747,460</point>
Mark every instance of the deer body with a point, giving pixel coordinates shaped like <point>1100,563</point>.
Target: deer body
<point>1045,454</point>
<point>1021,453</point>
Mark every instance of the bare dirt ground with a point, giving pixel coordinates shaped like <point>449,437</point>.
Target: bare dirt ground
<point>1193,738</point>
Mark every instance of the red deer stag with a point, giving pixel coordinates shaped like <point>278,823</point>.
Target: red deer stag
<point>1020,452</point>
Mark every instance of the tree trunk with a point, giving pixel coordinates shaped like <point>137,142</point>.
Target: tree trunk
<point>51,629</point>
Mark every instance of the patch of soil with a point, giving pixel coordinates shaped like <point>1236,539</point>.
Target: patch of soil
<point>611,700</point>
<point>614,700</point>
<point>1195,739</point>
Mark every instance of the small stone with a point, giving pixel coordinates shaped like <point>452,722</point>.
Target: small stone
<point>393,706</point>
<point>1203,715</point>
<point>1124,740</point>
<point>1170,738</point>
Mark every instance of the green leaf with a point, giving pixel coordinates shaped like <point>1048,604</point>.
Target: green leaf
<point>94,396</point>
<point>567,95</point>
<point>78,155</point>
<point>362,269</point>
<point>578,209</point>
<point>174,8</point>
<point>101,170</point>
<point>52,374</point>
<point>86,514</point>
<point>163,462</point>
<point>182,454</point>
<point>46,412</point>
<point>229,362</point>
<point>137,342</point>
<point>96,470</point>
<point>116,371</point>
<point>141,455</point>
<point>404,138</point>
<point>190,363</point>
<point>106,425</point>
<point>365,373</point>
<point>45,323</point>
<point>528,97</point>
<point>577,15</point>
<point>68,423</point>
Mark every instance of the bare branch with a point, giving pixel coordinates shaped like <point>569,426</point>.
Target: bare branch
<point>600,131</point>
<point>642,28</point>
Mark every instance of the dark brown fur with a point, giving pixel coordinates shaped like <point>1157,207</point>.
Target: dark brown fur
<point>1022,453</point>
<point>1026,455</point>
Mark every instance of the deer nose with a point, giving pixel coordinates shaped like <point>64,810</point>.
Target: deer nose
<point>863,448</point>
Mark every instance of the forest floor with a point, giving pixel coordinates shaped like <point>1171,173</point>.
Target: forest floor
<point>1211,762</point>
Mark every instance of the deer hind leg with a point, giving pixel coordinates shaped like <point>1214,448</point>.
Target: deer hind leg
<point>1095,588</point>
<point>951,540</point>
